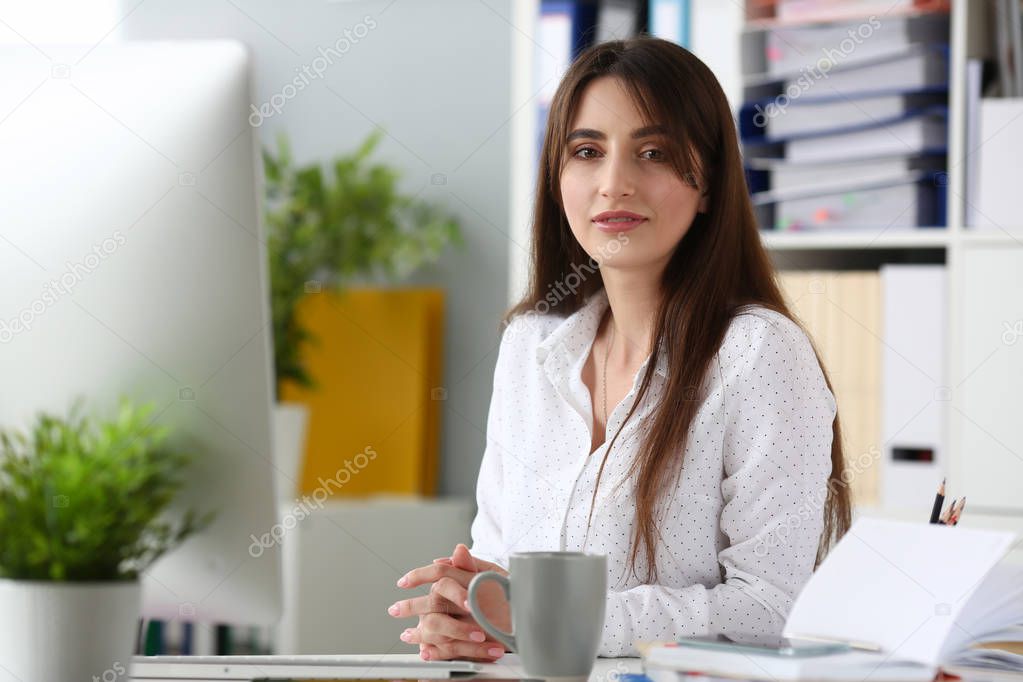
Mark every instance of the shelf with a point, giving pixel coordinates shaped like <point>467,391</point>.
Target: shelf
<point>992,237</point>
<point>927,238</point>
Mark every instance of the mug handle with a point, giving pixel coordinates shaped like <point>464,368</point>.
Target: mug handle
<point>505,638</point>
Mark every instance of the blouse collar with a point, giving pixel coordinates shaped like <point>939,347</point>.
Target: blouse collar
<point>573,337</point>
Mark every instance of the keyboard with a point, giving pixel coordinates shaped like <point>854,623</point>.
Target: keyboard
<point>307,666</point>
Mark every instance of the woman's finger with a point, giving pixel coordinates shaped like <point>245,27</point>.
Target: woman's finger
<point>449,590</point>
<point>437,628</point>
<point>418,606</point>
<point>433,573</point>
<point>485,652</point>
<point>461,650</point>
<point>415,635</point>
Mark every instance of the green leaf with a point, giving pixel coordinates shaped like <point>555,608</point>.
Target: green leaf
<point>347,224</point>
<point>87,499</point>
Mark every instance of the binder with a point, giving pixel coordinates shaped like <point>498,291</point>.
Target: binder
<point>912,200</point>
<point>822,115</point>
<point>918,68</point>
<point>670,20</point>
<point>820,105</point>
<point>832,10</point>
<point>919,133</point>
<point>789,48</point>
<point>781,174</point>
<point>556,33</point>
<point>914,390</point>
<point>564,29</point>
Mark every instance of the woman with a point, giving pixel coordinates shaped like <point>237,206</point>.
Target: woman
<point>708,471</point>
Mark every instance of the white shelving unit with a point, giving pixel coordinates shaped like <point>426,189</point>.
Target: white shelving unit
<point>984,455</point>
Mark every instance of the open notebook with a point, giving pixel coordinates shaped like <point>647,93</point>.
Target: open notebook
<point>909,597</point>
<point>918,592</point>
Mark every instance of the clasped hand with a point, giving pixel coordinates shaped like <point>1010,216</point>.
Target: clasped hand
<point>446,628</point>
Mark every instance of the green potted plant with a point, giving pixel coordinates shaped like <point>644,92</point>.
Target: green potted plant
<point>327,229</point>
<point>82,515</point>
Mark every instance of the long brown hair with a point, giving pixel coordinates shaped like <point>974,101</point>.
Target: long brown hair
<point>717,267</point>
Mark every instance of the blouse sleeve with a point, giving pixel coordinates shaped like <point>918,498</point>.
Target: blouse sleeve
<point>776,462</point>
<point>487,538</point>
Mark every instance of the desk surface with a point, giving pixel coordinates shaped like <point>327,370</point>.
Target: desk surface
<point>607,670</point>
<point>508,667</point>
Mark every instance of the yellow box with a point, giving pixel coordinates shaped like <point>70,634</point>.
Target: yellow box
<point>374,416</point>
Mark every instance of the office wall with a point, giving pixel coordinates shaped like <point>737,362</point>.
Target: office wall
<point>436,76</point>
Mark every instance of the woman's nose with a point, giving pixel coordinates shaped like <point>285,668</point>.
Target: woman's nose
<point>617,177</point>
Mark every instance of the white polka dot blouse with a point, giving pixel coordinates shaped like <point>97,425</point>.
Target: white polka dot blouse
<point>739,534</point>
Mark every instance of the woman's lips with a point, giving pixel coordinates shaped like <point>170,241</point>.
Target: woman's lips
<point>618,225</point>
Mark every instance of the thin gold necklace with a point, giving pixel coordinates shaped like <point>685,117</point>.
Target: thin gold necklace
<point>607,354</point>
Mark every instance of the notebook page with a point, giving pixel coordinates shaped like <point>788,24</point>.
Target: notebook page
<point>993,612</point>
<point>896,585</point>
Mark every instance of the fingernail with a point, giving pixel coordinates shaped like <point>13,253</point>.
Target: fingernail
<point>403,581</point>
<point>404,636</point>
<point>466,604</point>
<point>497,653</point>
<point>393,609</point>
<point>477,636</point>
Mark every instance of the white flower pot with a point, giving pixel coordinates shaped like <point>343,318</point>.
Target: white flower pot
<point>57,631</point>
<point>290,422</point>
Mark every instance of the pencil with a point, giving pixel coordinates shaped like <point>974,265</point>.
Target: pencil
<point>956,513</point>
<point>939,499</point>
<point>947,513</point>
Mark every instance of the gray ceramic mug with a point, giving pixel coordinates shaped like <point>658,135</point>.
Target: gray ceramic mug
<point>557,610</point>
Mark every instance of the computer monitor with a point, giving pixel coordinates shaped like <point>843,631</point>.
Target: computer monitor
<point>132,262</point>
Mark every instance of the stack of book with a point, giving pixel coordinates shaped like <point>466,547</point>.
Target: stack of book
<point>844,122</point>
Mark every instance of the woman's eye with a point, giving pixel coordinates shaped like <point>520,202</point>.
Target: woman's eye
<point>658,155</point>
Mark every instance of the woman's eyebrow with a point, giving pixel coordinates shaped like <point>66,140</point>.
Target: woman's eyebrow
<point>598,135</point>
